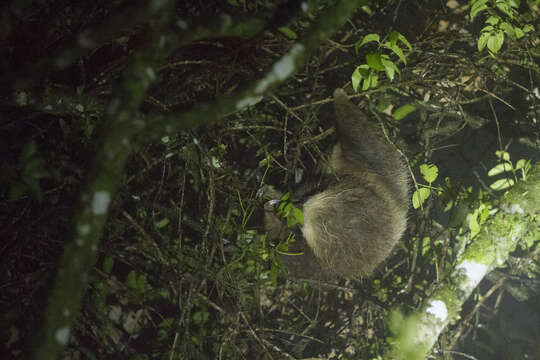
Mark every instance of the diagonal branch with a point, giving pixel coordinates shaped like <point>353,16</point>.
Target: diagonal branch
<point>518,216</point>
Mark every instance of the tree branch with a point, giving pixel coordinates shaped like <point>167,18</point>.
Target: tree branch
<point>518,215</point>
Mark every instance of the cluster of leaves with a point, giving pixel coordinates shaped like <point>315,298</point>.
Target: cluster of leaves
<point>379,61</point>
<point>293,217</point>
<point>480,213</point>
<point>502,20</point>
<point>429,172</point>
<point>512,172</point>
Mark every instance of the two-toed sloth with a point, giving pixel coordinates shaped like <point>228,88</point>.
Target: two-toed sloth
<point>352,226</point>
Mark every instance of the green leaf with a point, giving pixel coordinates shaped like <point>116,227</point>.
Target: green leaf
<point>395,36</point>
<point>142,283</point>
<point>521,164</point>
<point>493,20</point>
<point>420,196</point>
<point>508,29</point>
<point>484,213</point>
<point>292,213</point>
<point>288,32</point>
<point>397,50</point>
<point>487,28</point>
<point>374,61</point>
<point>500,168</point>
<point>528,28</point>
<point>298,215</point>
<point>473,224</point>
<point>108,264</point>
<point>505,8</point>
<point>367,39</point>
<point>359,74</point>
<point>429,172</point>
<point>164,294</point>
<point>132,279</point>
<point>162,223</point>
<point>477,7</point>
<point>200,317</point>
<point>389,68</point>
<point>519,33</point>
<point>482,41</point>
<point>374,80</point>
<point>503,155</point>
<point>495,42</point>
<point>371,81</point>
<point>285,208</point>
<point>167,323</point>
<point>367,9</point>
<point>427,245</point>
<point>403,111</point>
<point>502,184</point>
<point>356,77</point>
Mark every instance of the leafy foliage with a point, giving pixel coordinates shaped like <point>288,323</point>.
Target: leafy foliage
<point>502,20</point>
<point>522,167</point>
<point>429,173</point>
<point>379,61</point>
<point>183,259</point>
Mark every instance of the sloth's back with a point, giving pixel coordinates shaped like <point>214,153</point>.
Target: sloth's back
<point>354,225</point>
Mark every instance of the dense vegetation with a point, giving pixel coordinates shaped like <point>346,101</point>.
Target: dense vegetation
<point>136,136</point>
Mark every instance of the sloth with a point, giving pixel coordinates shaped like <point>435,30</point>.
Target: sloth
<point>351,227</point>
